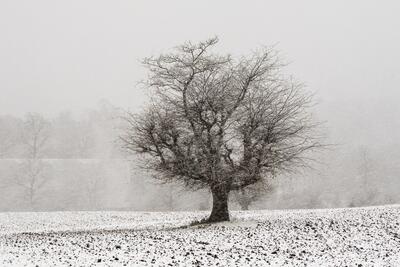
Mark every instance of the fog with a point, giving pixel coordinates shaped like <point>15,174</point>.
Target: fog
<point>76,66</point>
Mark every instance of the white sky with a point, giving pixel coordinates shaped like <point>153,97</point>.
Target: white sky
<point>68,55</point>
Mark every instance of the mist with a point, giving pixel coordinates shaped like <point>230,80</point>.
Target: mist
<point>76,68</point>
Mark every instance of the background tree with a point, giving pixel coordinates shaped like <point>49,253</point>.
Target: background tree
<point>219,123</point>
<point>8,142</point>
<point>367,187</point>
<point>93,182</point>
<point>72,138</point>
<point>31,172</point>
<point>168,197</point>
<point>8,136</point>
<point>250,194</point>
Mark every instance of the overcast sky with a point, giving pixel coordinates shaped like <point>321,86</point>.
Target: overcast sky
<point>68,55</point>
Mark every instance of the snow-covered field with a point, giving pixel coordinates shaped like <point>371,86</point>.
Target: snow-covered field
<point>337,237</point>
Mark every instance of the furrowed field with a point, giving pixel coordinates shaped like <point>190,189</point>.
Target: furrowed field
<point>337,237</point>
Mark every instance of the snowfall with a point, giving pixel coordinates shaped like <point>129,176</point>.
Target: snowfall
<point>334,237</point>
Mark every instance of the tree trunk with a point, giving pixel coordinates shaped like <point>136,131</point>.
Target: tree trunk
<point>220,210</point>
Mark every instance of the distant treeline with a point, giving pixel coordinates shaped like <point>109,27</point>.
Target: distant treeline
<point>75,162</point>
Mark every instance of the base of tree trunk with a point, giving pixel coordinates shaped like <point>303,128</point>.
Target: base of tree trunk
<point>220,210</point>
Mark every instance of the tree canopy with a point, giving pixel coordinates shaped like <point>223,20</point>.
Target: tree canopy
<point>221,123</point>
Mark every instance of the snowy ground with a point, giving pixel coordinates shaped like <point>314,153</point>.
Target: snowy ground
<point>339,237</point>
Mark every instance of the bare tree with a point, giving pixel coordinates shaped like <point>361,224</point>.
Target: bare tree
<point>31,174</point>
<point>8,138</point>
<point>250,194</point>
<point>365,168</point>
<point>31,177</point>
<point>35,135</point>
<point>72,138</point>
<point>93,182</point>
<point>169,198</point>
<point>219,123</point>
<point>366,190</point>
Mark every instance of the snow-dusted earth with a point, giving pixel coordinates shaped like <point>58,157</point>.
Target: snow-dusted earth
<point>336,237</point>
